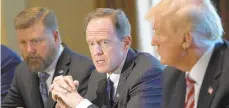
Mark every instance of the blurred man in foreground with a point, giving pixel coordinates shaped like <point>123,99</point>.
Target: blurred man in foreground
<point>188,37</point>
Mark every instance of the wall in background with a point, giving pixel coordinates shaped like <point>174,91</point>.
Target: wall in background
<point>129,7</point>
<point>3,32</point>
<point>10,8</point>
<point>70,15</point>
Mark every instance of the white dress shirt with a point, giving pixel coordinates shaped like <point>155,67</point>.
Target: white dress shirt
<point>114,78</point>
<point>198,71</point>
<point>51,69</point>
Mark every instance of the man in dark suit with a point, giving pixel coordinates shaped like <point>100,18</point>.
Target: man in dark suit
<point>45,57</point>
<point>9,62</point>
<point>188,35</point>
<point>124,78</point>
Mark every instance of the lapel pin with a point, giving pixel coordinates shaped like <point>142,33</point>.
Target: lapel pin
<point>61,71</point>
<point>210,90</point>
<point>117,95</point>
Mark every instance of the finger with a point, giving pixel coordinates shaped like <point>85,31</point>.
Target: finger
<point>52,86</point>
<point>76,84</point>
<point>57,105</point>
<point>62,83</point>
<point>54,95</point>
<point>69,80</point>
<point>61,103</point>
<point>57,78</point>
<point>60,96</point>
<point>60,90</point>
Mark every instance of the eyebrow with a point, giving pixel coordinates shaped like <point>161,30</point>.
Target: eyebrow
<point>32,38</point>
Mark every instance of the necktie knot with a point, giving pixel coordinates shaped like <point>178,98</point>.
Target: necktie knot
<point>109,82</point>
<point>43,76</point>
<point>189,81</point>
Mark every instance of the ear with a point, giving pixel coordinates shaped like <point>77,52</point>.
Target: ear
<point>126,42</point>
<point>56,35</point>
<point>187,41</point>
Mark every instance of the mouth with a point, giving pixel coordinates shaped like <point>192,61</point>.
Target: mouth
<point>33,58</point>
<point>100,61</point>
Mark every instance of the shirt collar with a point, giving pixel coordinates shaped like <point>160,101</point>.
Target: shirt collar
<point>115,75</point>
<point>199,69</point>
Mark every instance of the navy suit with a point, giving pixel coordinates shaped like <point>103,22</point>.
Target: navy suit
<point>216,77</point>
<point>139,84</point>
<point>9,61</point>
<point>24,91</point>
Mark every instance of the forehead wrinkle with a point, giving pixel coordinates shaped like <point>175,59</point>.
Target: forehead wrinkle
<point>27,37</point>
<point>35,37</point>
<point>31,33</point>
<point>96,33</point>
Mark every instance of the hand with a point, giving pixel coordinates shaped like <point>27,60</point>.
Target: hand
<point>64,83</point>
<point>65,89</point>
<point>71,98</point>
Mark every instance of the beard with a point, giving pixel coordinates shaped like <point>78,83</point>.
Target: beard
<point>37,63</point>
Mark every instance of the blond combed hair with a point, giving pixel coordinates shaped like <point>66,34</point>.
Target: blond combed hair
<point>183,16</point>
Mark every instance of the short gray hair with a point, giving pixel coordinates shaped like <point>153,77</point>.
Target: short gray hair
<point>120,21</point>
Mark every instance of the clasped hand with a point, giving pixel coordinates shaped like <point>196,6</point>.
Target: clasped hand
<point>64,91</point>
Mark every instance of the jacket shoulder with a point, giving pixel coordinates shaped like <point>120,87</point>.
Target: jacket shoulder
<point>147,59</point>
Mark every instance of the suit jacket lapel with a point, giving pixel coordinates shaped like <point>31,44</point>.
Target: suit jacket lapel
<point>127,68</point>
<point>178,93</point>
<point>181,89</point>
<point>103,97</point>
<point>35,92</point>
<point>62,68</point>
<point>211,78</point>
<point>99,97</point>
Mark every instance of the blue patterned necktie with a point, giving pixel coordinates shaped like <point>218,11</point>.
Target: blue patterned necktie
<point>110,90</point>
<point>43,76</point>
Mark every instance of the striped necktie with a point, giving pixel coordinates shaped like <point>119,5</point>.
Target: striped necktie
<point>190,93</point>
<point>43,76</point>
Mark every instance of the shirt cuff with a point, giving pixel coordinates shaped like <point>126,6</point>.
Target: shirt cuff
<point>84,104</point>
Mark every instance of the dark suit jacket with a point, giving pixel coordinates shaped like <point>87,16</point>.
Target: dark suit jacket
<point>216,77</point>
<point>9,62</point>
<point>24,90</point>
<point>139,84</point>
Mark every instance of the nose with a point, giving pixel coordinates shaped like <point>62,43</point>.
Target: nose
<point>154,41</point>
<point>30,48</point>
<point>97,50</point>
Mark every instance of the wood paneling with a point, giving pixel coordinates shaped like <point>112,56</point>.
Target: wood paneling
<point>129,7</point>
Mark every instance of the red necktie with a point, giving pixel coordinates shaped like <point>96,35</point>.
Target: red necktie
<point>190,93</point>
